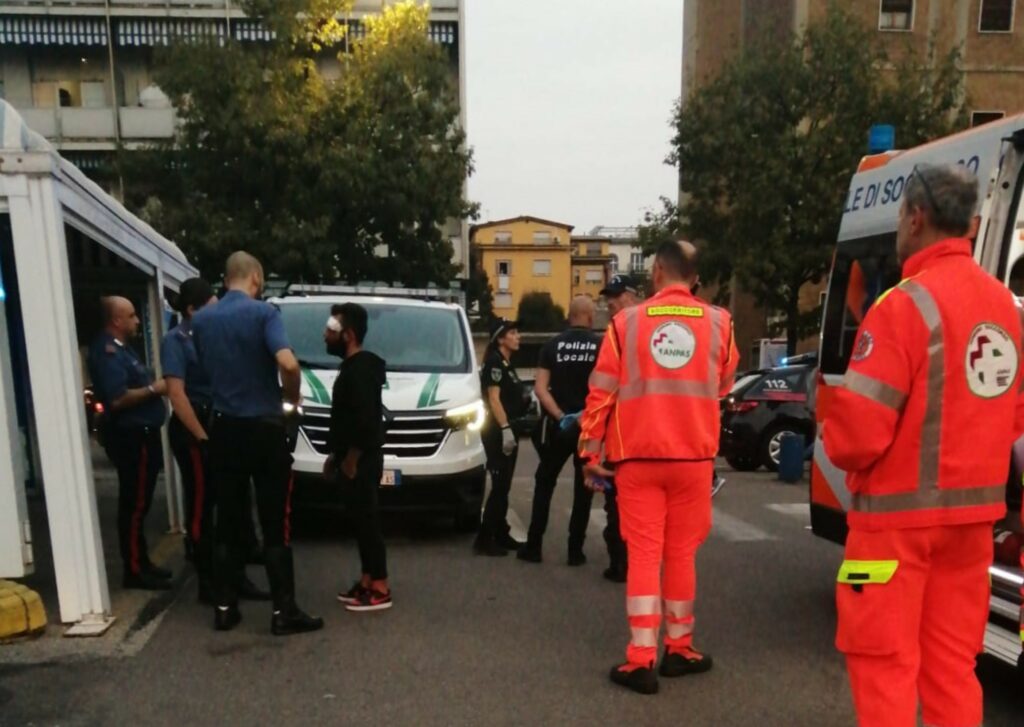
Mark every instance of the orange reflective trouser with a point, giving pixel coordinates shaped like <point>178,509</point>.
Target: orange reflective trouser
<point>918,633</point>
<point>665,513</point>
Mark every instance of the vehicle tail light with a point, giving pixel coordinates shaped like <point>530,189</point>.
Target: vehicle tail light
<point>740,407</point>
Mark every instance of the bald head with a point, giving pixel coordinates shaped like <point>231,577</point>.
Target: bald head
<point>581,311</point>
<point>119,318</point>
<point>675,263</point>
<point>245,273</point>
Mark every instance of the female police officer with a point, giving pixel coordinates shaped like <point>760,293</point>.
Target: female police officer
<point>506,401</point>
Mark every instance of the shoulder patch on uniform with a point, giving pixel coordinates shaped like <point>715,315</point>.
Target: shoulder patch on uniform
<point>686,311</point>
<point>864,347</point>
<point>496,375</point>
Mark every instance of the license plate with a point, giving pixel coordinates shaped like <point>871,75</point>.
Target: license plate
<point>391,478</point>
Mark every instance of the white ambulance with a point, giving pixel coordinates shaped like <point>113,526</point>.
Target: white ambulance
<point>433,456</point>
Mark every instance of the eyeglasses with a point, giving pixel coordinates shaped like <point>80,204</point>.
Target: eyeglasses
<point>927,191</point>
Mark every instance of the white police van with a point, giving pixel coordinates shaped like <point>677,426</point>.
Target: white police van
<point>433,455</point>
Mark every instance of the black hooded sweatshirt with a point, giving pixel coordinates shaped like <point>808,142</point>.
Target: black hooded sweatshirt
<point>357,412</point>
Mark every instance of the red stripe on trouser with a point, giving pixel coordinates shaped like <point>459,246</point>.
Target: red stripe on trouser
<point>665,514</point>
<point>917,637</point>
<point>140,506</point>
<point>199,478</point>
<point>288,510</point>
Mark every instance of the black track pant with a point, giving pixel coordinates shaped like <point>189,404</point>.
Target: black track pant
<point>502,467</point>
<point>244,450</point>
<point>361,498</point>
<point>555,449</point>
<point>138,455</point>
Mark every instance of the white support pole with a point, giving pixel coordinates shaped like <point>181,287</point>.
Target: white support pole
<point>44,280</point>
<point>15,535</point>
<point>172,482</point>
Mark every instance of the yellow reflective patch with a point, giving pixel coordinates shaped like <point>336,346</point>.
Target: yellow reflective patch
<point>857,572</point>
<point>886,294</point>
<point>686,311</point>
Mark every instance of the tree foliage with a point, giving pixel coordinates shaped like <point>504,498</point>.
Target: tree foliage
<point>539,313</point>
<point>327,156</point>
<point>766,151</point>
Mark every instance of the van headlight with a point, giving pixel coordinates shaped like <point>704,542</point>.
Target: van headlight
<point>471,417</point>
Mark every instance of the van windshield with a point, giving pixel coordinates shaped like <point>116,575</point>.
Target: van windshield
<point>409,338</point>
<point>863,270</point>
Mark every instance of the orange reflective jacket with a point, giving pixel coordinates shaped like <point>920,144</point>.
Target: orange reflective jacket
<point>931,403</point>
<point>661,370</point>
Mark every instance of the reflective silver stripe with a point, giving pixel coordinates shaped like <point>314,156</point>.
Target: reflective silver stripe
<point>678,609</point>
<point>590,446</point>
<point>668,387</point>
<point>644,637</point>
<point>931,427</point>
<point>930,499</point>
<point>643,606</point>
<point>878,391</point>
<point>632,352</point>
<point>715,318</point>
<point>678,630</point>
<point>605,382</point>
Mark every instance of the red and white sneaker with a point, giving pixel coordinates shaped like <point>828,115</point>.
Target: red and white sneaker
<point>370,600</point>
<point>353,594</point>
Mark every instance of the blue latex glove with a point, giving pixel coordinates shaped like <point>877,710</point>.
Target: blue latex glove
<point>568,420</point>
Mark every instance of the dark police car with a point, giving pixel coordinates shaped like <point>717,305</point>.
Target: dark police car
<point>763,407</point>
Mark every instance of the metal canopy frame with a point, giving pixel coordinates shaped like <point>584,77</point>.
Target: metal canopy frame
<point>41,193</point>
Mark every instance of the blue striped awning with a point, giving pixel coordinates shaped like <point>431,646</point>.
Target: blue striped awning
<point>163,31</point>
<point>52,31</point>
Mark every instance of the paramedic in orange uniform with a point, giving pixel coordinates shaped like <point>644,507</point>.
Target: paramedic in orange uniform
<point>928,410</point>
<point>653,404</point>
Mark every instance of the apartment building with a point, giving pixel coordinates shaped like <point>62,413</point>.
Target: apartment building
<point>591,265</point>
<point>524,255</point>
<point>80,72</point>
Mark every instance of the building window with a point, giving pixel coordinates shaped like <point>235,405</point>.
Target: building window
<point>541,237</point>
<point>575,277</point>
<point>504,267</point>
<point>594,249</point>
<point>614,264</point>
<point>996,16</point>
<point>502,238</point>
<point>636,261</point>
<point>595,276</point>
<point>896,15</point>
<point>985,117</point>
<point>542,268</point>
<point>502,300</point>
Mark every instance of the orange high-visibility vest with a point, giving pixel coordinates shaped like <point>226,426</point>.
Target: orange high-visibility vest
<point>661,370</point>
<point>931,403</point>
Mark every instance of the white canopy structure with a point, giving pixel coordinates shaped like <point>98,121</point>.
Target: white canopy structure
<point>47,207</point>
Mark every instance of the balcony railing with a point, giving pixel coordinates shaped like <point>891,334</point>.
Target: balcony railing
<point>80,124</point>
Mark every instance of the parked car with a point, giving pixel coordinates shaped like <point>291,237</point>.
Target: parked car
<point>762,408</point>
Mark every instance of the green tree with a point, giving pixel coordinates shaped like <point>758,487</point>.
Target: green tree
<point>539,313</point>
<point>322,177</point>
<point>766,150</point>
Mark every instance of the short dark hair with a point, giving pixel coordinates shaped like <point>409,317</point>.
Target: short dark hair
<point>194,292</point>
<point>353,317</point>
<point>675,261</point>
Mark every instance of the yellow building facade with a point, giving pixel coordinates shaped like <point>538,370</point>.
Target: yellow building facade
<point>591,263</point>
<point>524,255</point>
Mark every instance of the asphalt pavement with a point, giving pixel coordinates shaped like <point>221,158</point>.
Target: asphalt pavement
<point>480,641</point>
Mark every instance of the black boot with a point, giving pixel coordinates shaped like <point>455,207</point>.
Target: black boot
<point>288,619</point>
<point>616,572</point>
<point>225,575</point>
<point>506,541</point>
<point>226,618</point>
<point>531,553</point>
<point>576,556</point>
<point>641,680</point>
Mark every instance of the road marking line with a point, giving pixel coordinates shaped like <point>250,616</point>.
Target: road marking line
<point>801,510</point>
<point>518,530</point>
<point>735,530</point>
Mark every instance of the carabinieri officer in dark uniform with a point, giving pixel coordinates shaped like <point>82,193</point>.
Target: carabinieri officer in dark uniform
<point>135,411</point>
<point>191,396</point>
<point>506,401</point>
<point>242,345</point>
<point>565,365</point>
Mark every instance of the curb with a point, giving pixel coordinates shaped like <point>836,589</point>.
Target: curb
<point>21,611</point>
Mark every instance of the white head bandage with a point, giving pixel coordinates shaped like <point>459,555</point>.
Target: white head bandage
<point>333,325</point>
